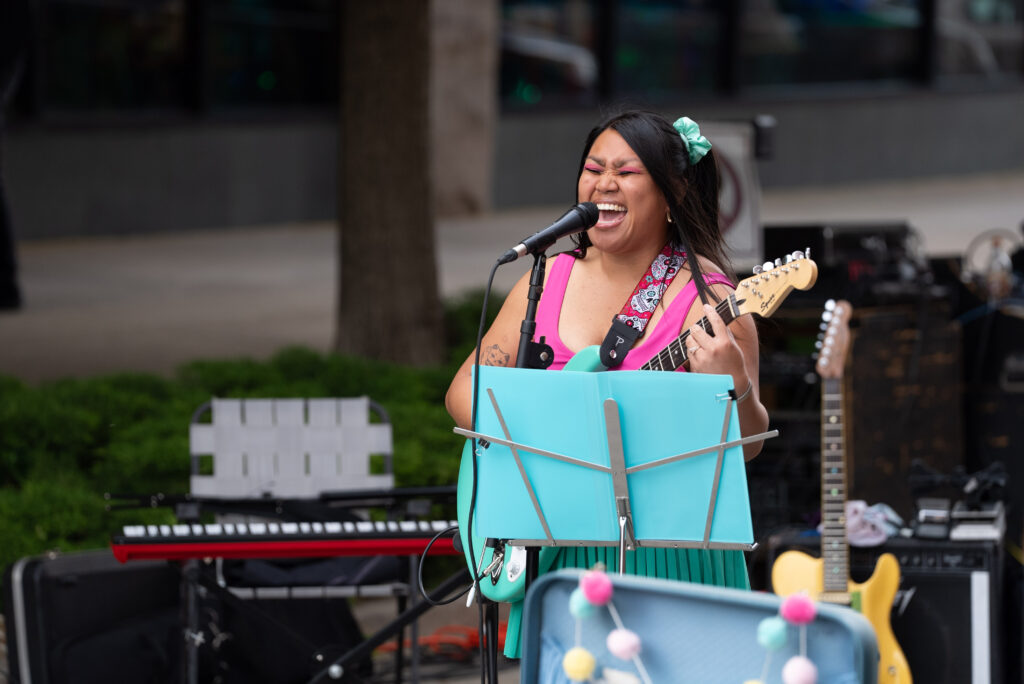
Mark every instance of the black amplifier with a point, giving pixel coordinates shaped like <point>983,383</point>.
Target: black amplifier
<point>948,615</point>
<point>860,262</point>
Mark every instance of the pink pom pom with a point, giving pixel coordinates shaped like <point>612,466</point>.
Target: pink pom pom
<point>623,643</point>
<point>596,586</point>
<point>799,670</point>
<point>798,609</point>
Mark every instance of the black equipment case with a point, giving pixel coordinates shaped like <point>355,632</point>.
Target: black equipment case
<point>84,617</point>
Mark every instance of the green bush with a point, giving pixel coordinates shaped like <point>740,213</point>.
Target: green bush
<point>64,444</point>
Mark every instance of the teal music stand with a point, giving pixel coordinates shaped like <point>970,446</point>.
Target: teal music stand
<point>627,458</point>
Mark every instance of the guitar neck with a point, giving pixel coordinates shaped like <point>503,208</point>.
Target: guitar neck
<point>674,355</point>
<point>834,547</point>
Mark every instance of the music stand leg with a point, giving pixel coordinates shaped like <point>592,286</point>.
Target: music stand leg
<point>491,637</point>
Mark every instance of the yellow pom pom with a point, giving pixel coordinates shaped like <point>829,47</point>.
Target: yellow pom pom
<point>578,664</point>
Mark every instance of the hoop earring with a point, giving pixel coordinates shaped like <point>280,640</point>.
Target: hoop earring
<point>669,216</point>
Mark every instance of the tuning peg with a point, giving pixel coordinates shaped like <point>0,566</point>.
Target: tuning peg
<point>818,344</point>
<point>830,304</point>
<point>823,326</point>
<point>757,269</point>
<point>789,258</point>
<point>826,316</point>
<point>778,262</point>
<point>797,255</point>
<point>767,266</point>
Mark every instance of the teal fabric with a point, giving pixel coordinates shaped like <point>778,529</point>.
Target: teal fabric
<point>716,567</point>
<point>696,144</point>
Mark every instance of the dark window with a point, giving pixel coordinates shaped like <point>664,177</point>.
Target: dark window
<point>797,42</point>
<point>980,38</point>
<point>112,55</point>
<point>185,55</point>
<point>271,53</point>
<point>666,48</point>
<point>549,53</point>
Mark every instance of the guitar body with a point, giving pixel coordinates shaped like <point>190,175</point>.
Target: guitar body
<point>586,360</point>
<point>507,583</point>
<point>795,571</point>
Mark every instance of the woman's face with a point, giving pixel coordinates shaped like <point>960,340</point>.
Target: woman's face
<point>633,210</point>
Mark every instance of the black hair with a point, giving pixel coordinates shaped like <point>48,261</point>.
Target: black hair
<point>691,190</point>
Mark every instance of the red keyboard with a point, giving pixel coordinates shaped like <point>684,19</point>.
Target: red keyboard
<point>282,540</point>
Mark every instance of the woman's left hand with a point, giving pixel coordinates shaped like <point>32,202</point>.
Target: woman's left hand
<point>715,354</point>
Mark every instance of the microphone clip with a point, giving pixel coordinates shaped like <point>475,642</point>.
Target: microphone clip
<point>539,355</point>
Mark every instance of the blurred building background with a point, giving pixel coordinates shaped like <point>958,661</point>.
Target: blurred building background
<point>137,116</point>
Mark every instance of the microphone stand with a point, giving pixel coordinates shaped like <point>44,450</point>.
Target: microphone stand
<point>531,355</point>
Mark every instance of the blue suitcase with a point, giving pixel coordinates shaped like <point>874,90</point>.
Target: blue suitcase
<point>689,633</point>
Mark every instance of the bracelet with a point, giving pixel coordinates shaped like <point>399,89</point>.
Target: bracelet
<point>746,392</point>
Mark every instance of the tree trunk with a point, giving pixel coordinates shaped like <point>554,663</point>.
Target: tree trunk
<point>388,304</point>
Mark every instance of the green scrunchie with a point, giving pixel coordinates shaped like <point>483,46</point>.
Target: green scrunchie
<point>696,144</point>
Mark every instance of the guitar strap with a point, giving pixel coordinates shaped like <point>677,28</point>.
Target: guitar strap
<point>628,325</point>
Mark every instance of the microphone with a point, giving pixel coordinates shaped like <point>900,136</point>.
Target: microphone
<point>576,220</point>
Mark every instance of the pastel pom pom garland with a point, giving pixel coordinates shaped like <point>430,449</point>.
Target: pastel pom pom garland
<point>596,586</point>
<point>624,644</point>
<point>579,606</point>
<point>798,610</point>
<point>771,633</point>
<point>596,589</point>
<point>799,670</point>
<point>578,664</point>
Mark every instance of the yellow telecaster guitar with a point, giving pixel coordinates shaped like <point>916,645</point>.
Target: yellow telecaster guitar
<point>828,578</point>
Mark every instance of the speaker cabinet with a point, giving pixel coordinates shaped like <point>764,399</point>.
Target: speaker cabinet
<point>948,614</point>
<point>83,617</point>
<point>903,403</point>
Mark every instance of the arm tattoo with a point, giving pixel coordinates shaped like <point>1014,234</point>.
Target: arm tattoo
<point>494,356</point>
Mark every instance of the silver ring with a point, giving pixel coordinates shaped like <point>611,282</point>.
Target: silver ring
<point>692,350</point>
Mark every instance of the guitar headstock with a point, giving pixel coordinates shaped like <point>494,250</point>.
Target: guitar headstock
<point>771,283</point>
<point>834,341</point>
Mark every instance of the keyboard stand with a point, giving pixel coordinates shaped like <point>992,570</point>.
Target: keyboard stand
<point>195,582</point>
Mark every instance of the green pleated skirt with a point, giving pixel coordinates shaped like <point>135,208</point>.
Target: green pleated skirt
<point>713,566</point>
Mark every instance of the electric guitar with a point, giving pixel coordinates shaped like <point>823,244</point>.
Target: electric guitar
<point>828,578</point>
<point>503,564</point>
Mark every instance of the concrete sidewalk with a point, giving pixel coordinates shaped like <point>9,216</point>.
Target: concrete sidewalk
<point>100,305</point>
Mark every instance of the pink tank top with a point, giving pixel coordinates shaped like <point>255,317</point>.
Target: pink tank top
<point>549,310</point>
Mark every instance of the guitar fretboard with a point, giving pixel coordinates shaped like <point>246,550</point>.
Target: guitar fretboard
<point>834,547</point>
<point>674,355</point>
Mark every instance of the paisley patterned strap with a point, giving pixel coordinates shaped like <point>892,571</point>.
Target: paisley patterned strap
<point>640,306</point>
<point>628,325</point>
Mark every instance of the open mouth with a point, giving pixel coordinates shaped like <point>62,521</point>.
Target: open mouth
<point>611,213</point>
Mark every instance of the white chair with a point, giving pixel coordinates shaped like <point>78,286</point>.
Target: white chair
<point>289,448</point>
